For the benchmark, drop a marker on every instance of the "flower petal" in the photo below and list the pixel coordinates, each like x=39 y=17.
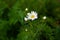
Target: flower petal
x=28 y=14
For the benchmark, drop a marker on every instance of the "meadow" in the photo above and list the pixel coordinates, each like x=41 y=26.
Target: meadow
x=29 y=19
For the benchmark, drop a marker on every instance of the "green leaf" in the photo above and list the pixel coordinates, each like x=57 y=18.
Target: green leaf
x=3 y=24
x=16 y=14
x=2 y=6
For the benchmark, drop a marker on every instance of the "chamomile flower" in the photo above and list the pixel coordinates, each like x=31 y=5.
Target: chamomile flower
x=44 y=17
x=32 y=16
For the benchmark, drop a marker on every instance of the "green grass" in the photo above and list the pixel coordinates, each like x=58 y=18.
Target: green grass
x=13 y=26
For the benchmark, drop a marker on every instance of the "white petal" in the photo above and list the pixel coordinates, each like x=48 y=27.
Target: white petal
x=33 y=19
x=28 y=14
x=36 y=17
x=32 y=12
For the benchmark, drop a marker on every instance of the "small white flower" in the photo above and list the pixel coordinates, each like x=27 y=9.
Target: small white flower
x=26 y=9
x=32 y=15
x=25 y=19
x=44 y=17
x=28 y=14
x=26 y=30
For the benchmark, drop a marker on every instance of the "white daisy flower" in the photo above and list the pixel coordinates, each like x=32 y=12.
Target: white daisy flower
x=25 y=19
x=44 y=17
x=32 y=15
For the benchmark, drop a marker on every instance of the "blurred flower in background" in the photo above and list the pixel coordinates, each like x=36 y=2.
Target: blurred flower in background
x=44 y=17
x=26 y=9
x=25 y=19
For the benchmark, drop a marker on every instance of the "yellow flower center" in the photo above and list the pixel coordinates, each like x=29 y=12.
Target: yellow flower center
x=32 y=16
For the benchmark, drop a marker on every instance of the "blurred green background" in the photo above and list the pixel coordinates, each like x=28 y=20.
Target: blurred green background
x=13 y=26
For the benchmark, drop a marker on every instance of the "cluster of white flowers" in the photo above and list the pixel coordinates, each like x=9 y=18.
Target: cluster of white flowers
x=31 y=16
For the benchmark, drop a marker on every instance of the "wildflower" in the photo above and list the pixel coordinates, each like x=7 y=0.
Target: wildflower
x=44 y=17
x=32 y=15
